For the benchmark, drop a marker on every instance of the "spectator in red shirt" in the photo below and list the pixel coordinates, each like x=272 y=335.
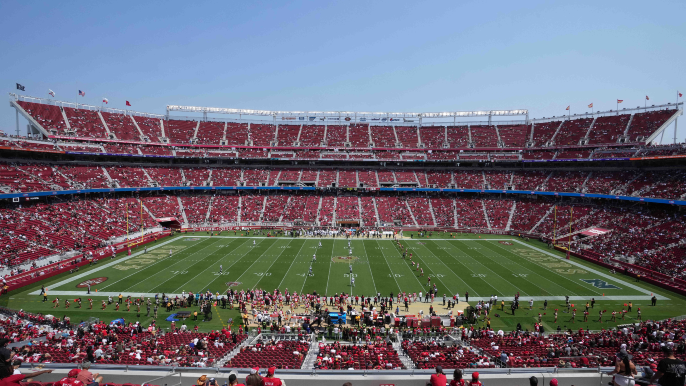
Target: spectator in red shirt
x=270 y=380
x=14 y=379
x=438 y=379
x=475 y=380
x=70 y=379
x=457 y=378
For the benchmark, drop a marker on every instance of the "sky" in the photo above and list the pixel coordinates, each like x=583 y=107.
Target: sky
x=420 y=56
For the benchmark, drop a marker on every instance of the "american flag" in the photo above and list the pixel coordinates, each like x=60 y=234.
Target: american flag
x=83 y=94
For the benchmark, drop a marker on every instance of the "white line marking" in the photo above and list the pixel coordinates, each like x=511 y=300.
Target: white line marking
x=607 y=276
x=277 y=258
x=91 y=271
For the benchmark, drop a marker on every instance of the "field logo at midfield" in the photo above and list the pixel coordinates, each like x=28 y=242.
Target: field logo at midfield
x=505 y=242
x=600 y=284
x=344 y=259
x=191 y=239
x=92 y=282
x=233 y=283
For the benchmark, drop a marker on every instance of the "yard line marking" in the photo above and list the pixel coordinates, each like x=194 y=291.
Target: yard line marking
x=451 y=270
x=182 y=260
x=428 y=268
x=289 y=270
x=326 y=292
x=370 y=271
x=240 y=258
x=461 y=252
x=421 y=287
x=91 y=271
x=567 y=278
x=529 y=281
x=166 y=270
x=637 y=288
x=277 y=258
x=505 y=280
x=389 y=268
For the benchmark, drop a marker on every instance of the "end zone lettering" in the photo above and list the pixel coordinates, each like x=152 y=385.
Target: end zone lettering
x=92 y=282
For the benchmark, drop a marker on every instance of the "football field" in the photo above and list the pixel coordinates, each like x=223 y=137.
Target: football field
x=483 y=266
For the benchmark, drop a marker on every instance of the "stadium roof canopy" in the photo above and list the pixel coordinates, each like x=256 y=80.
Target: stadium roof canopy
x=350 y=114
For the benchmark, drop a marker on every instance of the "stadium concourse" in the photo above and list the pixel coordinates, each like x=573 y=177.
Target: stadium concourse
x=518 y=223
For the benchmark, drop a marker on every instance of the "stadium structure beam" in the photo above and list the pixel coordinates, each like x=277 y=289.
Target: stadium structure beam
x=663 y=128
x=347 y=114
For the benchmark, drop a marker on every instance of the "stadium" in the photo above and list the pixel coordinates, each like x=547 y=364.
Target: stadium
x=324 y=247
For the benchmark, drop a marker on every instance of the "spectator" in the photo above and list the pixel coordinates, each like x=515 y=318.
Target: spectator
x=533 y=381
x=624 y=369
x=5 y=353
x=457 y=378
x=88 y=378
x=233 y=381
x=438 y=379
x=254 y=379
x=70 y=379
x=476 y=382
x=15 y=365
x=14 y=379
x=270 y=380
x=670 y=371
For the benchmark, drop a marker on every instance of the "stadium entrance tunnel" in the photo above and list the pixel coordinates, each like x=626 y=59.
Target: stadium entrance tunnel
x=169 y=222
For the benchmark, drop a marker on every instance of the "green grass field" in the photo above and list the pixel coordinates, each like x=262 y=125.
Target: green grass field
x=481 y=265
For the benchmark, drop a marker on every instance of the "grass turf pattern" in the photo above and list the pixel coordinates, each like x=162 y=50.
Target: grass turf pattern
x=482 y=265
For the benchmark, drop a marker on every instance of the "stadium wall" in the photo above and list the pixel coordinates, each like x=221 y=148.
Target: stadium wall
x=310 y=188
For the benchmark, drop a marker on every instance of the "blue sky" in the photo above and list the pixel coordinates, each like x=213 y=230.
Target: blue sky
x=347 y=55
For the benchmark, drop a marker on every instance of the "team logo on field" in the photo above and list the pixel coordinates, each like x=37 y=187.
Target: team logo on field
x=421 y=243
x=344 y=259
x=92 y=282
x=233 y=283
x=505 y=242
x=599 y=284
x=191 y=239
